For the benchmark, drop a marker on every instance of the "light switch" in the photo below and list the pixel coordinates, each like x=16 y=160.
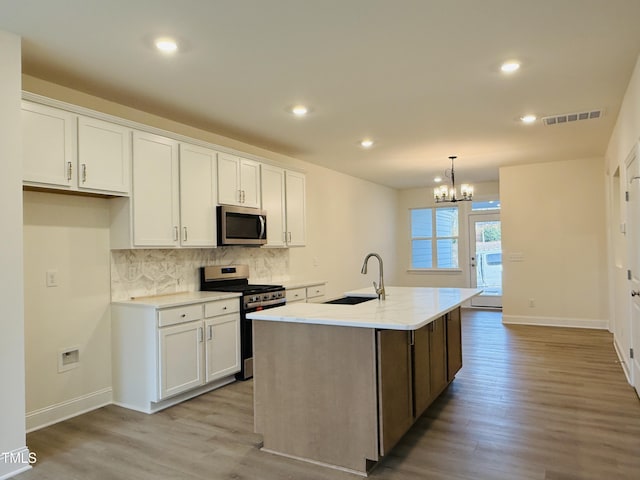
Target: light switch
x=52 y=278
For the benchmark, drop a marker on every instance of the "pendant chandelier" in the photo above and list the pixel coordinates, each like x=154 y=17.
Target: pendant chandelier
x=445 y=194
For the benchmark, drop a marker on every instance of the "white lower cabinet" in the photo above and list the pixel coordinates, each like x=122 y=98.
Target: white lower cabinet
x=180 y=359
x=222 y=346
x=162 y=356
x=309 y=293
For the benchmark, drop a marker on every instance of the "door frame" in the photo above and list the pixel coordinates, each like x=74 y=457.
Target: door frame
x=480 y=300
x=632 y=184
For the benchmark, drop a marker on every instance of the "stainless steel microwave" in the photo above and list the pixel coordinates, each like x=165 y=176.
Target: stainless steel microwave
x=241 y=226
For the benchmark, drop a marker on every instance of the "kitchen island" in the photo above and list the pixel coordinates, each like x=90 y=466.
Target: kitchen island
x=339 y=385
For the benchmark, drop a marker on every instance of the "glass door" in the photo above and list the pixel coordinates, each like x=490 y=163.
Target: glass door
x=485 y=248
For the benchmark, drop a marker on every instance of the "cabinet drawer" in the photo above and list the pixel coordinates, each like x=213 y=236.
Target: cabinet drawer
x=296 y=295
x=221 y=307
x=173 y=316
x=315 y=291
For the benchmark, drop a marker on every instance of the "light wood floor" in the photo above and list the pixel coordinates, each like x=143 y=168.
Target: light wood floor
x=529 y=403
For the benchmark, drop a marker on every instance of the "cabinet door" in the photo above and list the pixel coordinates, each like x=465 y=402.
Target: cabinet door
x=395 y=408
x=155 y=191
x=180 y=358
x=437 y=356
x=223 y=346
x=104 y=156
x=228 y=179
x=421 y=370
x=250 y=183
x=48 y=146
x=197 y=196
x=296 y=207
x=454 y=343
x=273 y=201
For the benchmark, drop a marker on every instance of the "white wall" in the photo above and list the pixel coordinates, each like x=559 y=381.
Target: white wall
x=423 y=198
x=12 y=398
x=70 y=235
x=625 y=135
x=553 y=216
x=347 y=218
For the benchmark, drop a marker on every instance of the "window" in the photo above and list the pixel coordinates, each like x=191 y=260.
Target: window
x=485 y=205
x=434 y=238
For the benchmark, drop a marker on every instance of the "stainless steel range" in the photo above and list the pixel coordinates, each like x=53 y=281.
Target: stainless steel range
x=235 y=278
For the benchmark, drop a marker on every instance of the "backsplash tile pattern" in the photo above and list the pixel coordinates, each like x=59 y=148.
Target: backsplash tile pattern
x=141 y=273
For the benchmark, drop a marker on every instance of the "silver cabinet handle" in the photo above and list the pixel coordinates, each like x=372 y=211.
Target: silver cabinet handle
x=289 y=234
x=84 y=173
x=635 y=293
x=239 y=196
x=69 y=170
x=210 y=336
x=175 y=234
x=243 y=196
x=200 y=334
x=184 y=234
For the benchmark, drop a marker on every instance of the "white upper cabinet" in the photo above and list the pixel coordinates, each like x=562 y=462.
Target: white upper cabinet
x=197 y=196
x=296 y=207
x=155 y=191
x=273 y=202
x=238 y=181
x=173 y=200
x=48 y=146
x=104 y=156
x=283 y=198
x=62 y=150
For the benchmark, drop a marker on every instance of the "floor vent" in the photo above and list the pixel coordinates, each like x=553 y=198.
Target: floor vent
x=573 y=117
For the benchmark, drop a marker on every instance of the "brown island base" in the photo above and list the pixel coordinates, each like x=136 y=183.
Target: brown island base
x=341 y=395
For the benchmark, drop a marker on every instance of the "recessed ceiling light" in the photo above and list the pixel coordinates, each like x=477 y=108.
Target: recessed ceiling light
x=367 y=143
x=299 y=110
x=528 y=118
x=437 y=179
x=166 y=45
x=510 y=66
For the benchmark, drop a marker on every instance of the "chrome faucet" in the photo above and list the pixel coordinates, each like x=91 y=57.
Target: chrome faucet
x=379 y=288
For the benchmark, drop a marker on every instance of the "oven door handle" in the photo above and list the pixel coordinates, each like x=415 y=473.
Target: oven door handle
x=262 y=225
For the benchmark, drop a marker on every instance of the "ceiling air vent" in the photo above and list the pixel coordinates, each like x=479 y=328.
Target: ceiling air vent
x=573 y=117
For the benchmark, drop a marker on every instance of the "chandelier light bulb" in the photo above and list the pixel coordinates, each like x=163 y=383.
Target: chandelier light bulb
x=444 y=193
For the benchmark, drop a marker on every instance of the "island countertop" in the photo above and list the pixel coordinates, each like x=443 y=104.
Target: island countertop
x=405 y=308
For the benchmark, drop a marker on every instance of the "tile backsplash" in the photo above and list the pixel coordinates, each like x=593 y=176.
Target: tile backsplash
x=141 y=273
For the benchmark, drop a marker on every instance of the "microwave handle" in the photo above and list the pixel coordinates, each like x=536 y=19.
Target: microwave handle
x=262 y=225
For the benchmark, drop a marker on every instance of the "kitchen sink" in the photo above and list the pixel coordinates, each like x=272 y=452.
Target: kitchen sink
x=350 y=300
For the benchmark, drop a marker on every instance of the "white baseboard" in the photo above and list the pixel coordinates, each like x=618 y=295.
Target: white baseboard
x=14 y=462
x=623 y=362
x=556 y=321
x=46 y=416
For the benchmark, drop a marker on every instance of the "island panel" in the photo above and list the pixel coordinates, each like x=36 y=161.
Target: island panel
x=315 y=392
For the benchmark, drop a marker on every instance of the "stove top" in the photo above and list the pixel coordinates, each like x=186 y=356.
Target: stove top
x=234 y=278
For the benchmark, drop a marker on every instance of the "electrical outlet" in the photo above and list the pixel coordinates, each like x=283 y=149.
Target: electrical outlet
x=532 y=302
x=52 y=278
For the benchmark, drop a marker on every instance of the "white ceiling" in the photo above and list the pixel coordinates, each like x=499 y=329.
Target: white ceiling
x=420 y=77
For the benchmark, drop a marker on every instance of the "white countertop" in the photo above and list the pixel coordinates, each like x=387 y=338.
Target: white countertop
x=177 y=299
x=405 y=308
x=291 y=284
